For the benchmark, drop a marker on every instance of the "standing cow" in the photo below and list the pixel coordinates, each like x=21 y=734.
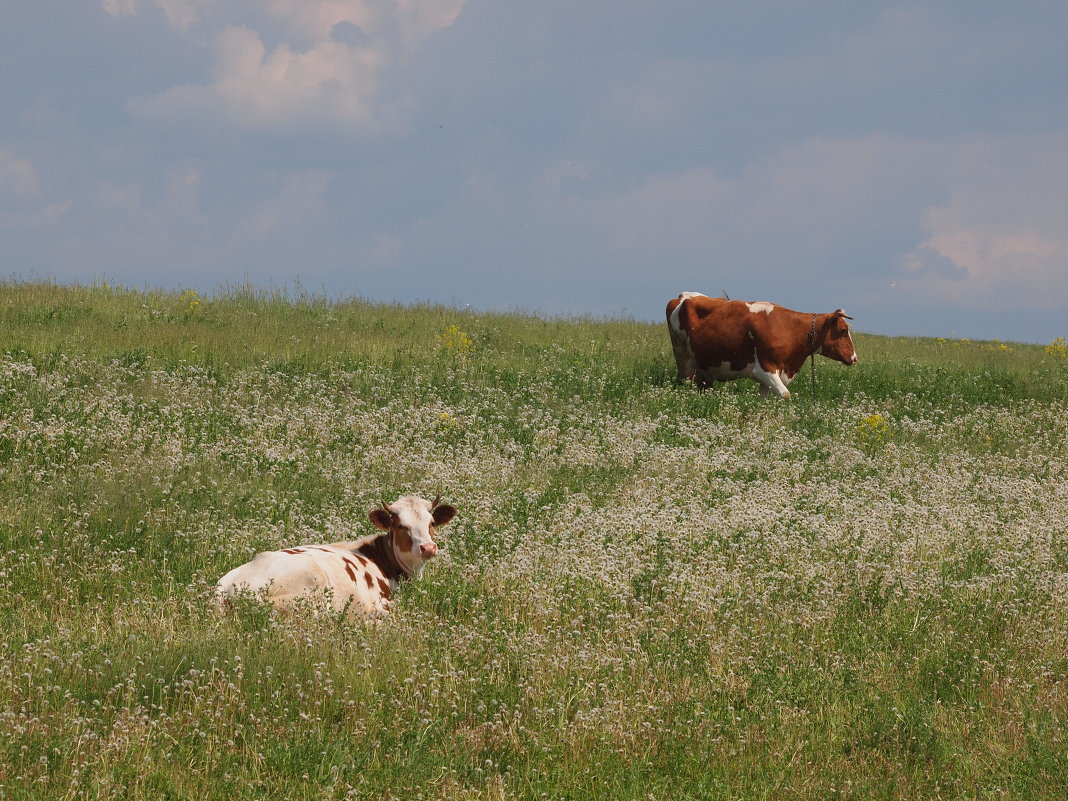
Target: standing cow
x=358 y=576
x=715 y=339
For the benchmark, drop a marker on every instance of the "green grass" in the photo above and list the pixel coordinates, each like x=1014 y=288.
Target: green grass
x=650 y=590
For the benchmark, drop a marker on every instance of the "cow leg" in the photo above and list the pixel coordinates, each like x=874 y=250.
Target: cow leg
x=680 y=345
x=770 y=379
x=684 y=359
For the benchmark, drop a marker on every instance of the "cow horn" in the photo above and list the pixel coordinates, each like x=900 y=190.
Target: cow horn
x=385 y=506
x=436 y=501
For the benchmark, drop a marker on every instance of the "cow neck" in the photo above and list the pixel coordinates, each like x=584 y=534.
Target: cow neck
x=380 y=551
x=796 y=359
x=812 y=335
x=812 y=348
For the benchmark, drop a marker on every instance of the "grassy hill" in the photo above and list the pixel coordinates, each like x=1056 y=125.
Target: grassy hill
x=650 y=590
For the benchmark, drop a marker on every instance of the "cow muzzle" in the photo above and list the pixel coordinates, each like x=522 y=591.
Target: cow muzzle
x=428 y=549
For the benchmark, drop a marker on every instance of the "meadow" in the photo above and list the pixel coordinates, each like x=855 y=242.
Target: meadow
x=650 y=591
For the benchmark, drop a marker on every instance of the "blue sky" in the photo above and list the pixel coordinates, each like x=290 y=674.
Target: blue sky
x=908 y=162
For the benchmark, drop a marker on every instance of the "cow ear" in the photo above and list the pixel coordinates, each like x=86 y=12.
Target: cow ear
x=443 y=513
x=381 y=518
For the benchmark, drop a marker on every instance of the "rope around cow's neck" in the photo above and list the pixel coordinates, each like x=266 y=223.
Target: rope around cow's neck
x=812 y=353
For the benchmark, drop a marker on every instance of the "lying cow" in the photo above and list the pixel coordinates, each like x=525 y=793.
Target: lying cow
x=715 y=339
x=358 y=576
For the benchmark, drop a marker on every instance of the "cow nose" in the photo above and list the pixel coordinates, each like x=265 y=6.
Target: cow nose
x=854 y=359
x=428 y=549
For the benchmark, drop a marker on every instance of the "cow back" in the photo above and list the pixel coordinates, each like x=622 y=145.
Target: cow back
x=345 y=579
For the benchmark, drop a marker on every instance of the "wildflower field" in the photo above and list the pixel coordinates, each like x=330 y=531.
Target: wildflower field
x=650 y=591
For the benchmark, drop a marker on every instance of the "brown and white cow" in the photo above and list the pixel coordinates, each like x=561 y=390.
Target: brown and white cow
x=359 y=576
x=715 y=339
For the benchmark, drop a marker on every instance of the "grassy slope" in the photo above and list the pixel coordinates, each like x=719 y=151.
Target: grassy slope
x=649 y=589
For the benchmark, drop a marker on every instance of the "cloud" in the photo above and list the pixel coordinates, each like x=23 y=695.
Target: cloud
x=18 y=178
x=278 y=228
x=1000 y=241
x=790 y=207
x=329 y=84
x=969 y=262
x=967 y=265
x=180 y=14
x=890 y=224
x=330 y=81
x=23 y=204
x=413 y=20
x=120 y=8
x=298 y=201
x=317 y=20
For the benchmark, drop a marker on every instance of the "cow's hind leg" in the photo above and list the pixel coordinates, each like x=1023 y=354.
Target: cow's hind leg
x=684 y=359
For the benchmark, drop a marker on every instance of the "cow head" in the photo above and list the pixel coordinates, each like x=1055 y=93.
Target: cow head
x=410 y=523
x=836 y=341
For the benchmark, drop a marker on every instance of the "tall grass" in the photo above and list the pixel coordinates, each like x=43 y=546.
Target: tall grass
x=650 y=591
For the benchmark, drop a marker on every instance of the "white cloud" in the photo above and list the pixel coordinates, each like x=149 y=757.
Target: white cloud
x=1000 y=240
x=328 y=84
x=180 y=14
x=419 y=19
x=415 y=19
x=17 y=176
x=22 y=201
x=972 y=263
x=665 y=213
x=325 y=84
x=298 y=202
x=316 y=20
x=785 y=209
x=120 y=8
x=861 y=214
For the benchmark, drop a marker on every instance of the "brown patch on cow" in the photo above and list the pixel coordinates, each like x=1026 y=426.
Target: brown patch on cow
x=380 y=552
x=318 y=548
x=293 y=550
x=370 y=581
x=351 y=572
x=383 y=587
x=403 y=538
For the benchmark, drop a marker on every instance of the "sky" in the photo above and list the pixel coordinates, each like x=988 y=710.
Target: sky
x=907 y=162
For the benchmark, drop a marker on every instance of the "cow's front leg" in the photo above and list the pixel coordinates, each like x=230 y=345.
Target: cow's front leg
x=770 y=379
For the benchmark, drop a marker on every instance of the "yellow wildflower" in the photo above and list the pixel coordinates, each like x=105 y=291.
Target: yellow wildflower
x=454 y=341
x=874 y=432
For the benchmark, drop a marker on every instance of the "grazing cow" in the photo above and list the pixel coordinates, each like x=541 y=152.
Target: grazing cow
x=358 y=576
x=715 y=339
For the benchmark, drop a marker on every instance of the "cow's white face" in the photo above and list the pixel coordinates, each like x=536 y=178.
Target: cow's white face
x=412 y=524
